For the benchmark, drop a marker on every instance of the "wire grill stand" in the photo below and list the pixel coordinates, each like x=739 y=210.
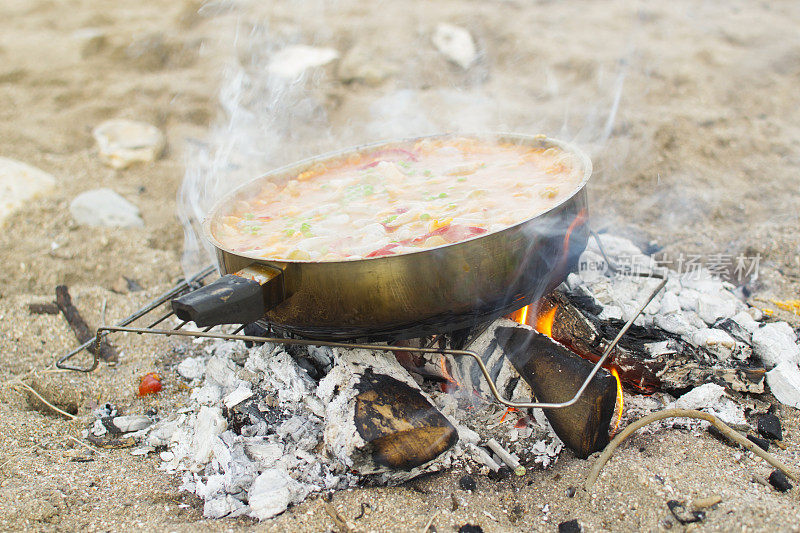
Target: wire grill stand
x=197 y=280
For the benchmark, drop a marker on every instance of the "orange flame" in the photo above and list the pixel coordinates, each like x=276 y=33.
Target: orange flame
x=620 y=400
x=452 y=383
x=544 y=323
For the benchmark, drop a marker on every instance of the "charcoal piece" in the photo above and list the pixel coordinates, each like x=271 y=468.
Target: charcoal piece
x=570 y=526
x=761 y=443
x=769 y=427
x=103 y=350
x=467 y=483
x=470 y=528
x=404 y=430
x=502 y=473
x=682 y=515
x=554 y=374
x=778 y=480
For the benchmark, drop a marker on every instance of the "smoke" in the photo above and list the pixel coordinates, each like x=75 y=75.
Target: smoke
x=388 y=81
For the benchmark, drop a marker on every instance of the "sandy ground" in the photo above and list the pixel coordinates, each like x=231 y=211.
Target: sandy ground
x=701 y=158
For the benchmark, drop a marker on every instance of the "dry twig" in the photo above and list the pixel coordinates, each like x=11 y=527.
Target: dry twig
x=428 y=525
x=48 y=404
x=340 y=522
x=730 y=433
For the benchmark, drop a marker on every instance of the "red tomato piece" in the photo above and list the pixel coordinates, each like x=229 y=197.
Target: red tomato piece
x=149 y=384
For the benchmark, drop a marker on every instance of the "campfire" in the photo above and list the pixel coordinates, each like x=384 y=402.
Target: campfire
x=275 y=418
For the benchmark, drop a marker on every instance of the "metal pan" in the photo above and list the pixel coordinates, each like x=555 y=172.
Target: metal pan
x=398 y=296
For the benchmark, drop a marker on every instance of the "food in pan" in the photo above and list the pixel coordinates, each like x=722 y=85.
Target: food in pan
x=404 y=198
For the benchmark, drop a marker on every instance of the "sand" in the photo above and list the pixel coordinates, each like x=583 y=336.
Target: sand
x=700 y=158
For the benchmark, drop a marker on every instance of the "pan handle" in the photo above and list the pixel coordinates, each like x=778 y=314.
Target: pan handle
x=239 y=298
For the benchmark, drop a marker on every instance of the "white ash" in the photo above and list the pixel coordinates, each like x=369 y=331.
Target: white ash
x=259 y=434
x=702 y=310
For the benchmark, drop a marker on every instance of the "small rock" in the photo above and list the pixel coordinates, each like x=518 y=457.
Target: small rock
x=704 y=503
x=784 y=382
x=456 y=44
x=467 y=483
x=124 y=142
x=19 y=184
x=470 y=528
x=769 y=427
x=761 y=443
x=130 y=423
x=292 y=61
x=104 y=207
x=192 y=368
x=682 y=515
x=775 y=343
x=571 y=492
x=570 y=526
x=778 y=480
x=166 y=456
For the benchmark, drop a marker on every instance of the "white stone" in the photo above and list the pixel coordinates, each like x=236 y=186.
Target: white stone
x=456 y=44
x=775 y=343
x=192 y=368
x=292 y=61
x=236 y=397
x=712 y=307
x=701 y=397
x=166 y=456
x=784 y=382
x=129 y=423
x=104 y=207
x=19 y=184
x=122 y=143
x=271 y=493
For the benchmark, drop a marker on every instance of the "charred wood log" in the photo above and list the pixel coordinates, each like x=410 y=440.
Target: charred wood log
x=526 y=364
x=555 y=374
x=647 y=358
x=377 y=418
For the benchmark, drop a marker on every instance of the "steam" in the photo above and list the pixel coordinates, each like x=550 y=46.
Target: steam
x=270 y=117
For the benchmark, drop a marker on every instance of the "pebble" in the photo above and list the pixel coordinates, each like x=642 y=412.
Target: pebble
x=292 y=61
x=570 y=526
x=769 y=427
x=704 y=503
x=104 y=207
x=467 y=483
x=19 y=184
x=778 y=480
x=775 y=343
x=166 y=456
x=456 y=44
x=784 y=382
x=124 y=142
